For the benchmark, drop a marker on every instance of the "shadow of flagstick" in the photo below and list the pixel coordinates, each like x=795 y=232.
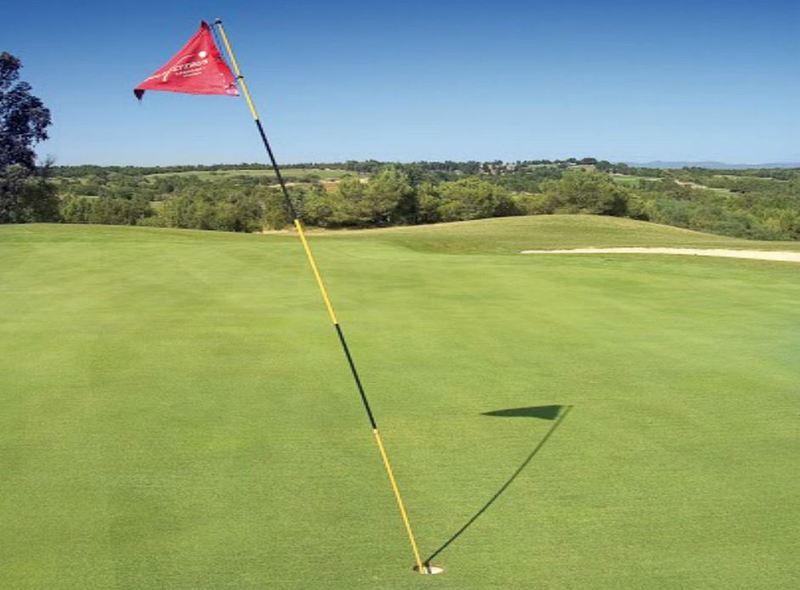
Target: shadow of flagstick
x=504 y=487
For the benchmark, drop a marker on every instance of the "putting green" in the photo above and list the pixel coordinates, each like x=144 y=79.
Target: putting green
x=176 y=412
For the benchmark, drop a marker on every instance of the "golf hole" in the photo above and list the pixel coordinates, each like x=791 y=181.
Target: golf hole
x=430 y=570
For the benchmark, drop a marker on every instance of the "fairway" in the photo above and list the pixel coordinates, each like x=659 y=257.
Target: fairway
x=176 y=412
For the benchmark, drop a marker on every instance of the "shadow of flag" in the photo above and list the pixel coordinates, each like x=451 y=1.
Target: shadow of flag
x=541 y=412
x=553 y=413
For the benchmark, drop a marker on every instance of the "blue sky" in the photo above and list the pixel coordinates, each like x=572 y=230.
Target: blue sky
x=624 y=81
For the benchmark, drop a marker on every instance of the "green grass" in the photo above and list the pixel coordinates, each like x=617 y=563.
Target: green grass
x=176 y=412
x=512 y=234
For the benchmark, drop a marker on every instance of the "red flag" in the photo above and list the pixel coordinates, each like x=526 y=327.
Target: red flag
x=198 y=68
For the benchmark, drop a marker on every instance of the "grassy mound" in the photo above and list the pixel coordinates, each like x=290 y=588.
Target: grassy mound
x=177 y=413
x=509 y=235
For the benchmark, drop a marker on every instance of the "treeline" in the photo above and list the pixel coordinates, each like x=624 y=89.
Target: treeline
x=740 y=205
x=162 y=186
x=238 y=204
x=106 y=171
x=762 y=204
x=392 y=196
x=470 y=167
x=368 y=167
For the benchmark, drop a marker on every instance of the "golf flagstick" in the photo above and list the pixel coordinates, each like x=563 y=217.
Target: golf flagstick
x=423 y=569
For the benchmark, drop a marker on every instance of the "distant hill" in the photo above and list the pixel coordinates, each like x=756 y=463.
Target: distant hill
x=712 y=165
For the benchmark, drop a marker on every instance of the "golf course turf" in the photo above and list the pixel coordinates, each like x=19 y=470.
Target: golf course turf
x=176 y=411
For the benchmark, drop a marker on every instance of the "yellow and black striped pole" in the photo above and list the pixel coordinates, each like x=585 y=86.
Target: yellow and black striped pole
x=423 y=569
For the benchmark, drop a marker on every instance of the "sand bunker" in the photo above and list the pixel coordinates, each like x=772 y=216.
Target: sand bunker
x=781 y=256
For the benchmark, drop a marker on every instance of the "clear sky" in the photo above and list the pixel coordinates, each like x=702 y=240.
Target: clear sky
x=411 y=80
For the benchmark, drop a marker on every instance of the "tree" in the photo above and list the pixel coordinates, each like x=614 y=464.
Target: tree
x=428 y=202
x=23 y=123
x=387 y=199
x=390 y=197
x=26 y=197
x=317 y=209
x=23 y=117
x=347 y=202
x=586 y=191
x=275 y=214
x=473 y=198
